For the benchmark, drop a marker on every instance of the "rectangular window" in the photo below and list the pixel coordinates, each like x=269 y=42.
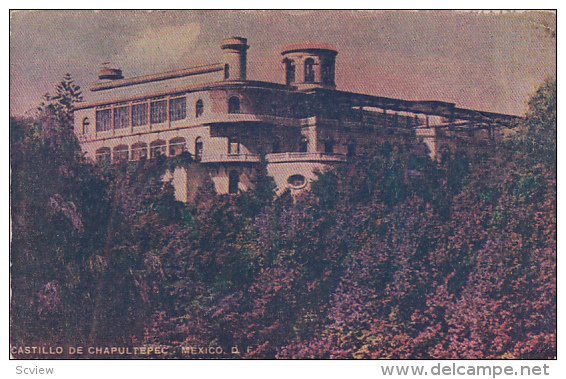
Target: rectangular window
x=139 y=114
x=121 y=117
x=158 y=111
x=233 y=145
x=103 y=120
x=178 y=109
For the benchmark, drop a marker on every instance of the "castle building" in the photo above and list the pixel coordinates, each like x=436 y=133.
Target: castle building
x=228 y=124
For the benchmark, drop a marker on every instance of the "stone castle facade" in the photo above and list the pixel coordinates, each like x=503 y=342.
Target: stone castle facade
x=229 y=124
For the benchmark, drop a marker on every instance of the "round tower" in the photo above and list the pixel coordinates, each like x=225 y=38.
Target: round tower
x=235 y=58
x=310 y=65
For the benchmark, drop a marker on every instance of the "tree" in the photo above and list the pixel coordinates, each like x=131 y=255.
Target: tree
x=58 y=208
x=389 y=256
x=536 y=138
x=62 y=104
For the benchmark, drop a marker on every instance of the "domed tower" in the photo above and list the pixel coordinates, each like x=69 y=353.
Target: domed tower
x=310 y=65
x=235 y=58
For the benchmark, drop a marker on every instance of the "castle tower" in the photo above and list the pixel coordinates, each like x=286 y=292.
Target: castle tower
x=310 y=65
x=235 y=58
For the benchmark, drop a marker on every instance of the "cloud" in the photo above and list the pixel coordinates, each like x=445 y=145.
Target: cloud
x=161 y=48
x=489 y=61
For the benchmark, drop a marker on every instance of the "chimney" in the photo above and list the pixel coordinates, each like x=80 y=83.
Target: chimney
x=108 y=73
x=235 y=58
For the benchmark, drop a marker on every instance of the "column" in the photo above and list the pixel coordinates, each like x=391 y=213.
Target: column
x=112 y=118
x=318 y=71
x=168 y=112
x=131 y=117
x=149 y=115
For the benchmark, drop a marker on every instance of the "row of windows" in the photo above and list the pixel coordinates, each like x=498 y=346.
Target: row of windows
x=327 y=71
x=139 y=151
x=153 y=111
x=177 y=146
x=157 y=148
x=157 y=111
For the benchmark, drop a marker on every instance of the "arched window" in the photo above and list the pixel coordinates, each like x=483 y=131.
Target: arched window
x=309 y=70
x=233 y=181
x=157 y=148
x=328 y=146
x=233 y=145
x=121 y=153
x=102 y=155
x=327 y=72
x=139 y=151
x=226 y=71
x=199 y=148
x=86 y=125
x=234 y=104
x=177 y=146
x=304 y=145
x=351 y=148
x=289 y=71
x=199 y=108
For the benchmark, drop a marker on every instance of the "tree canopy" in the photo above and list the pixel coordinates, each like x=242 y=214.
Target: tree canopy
x=390 y=256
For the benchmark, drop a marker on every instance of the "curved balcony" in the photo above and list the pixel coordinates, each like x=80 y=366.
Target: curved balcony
x=229 y=118
x=304 y=157
x=227 y=158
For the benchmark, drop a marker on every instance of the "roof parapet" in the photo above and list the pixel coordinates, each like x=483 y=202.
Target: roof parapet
x=198 y=70
x=237 y=43
x=310 y=46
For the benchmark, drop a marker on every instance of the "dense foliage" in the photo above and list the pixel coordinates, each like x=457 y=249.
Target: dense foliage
x=391 y=256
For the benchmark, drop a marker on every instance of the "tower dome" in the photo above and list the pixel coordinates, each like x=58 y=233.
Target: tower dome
x=310 y=65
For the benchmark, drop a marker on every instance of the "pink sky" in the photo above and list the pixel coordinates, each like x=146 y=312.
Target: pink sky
x=490 y=61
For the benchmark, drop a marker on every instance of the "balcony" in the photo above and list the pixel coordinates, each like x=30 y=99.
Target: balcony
x=273 y=158
x=230 y=118
x=228 y=158
x=304 y=157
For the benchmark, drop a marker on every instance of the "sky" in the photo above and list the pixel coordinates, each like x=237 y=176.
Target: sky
x=491 y=61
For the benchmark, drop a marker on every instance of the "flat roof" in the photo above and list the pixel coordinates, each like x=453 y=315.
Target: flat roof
x=185 y=89
x=430 y=107
x=190 y=71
